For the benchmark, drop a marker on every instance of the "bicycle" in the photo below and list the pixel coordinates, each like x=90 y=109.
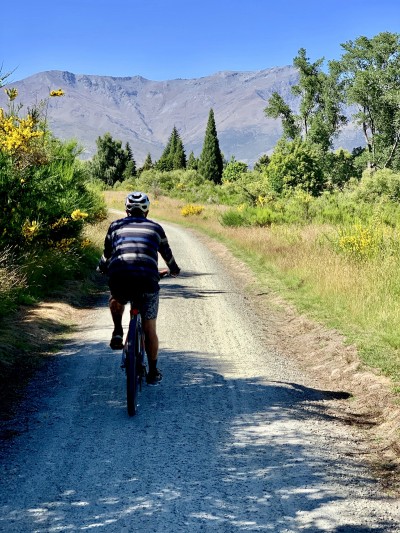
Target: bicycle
x=134 y=355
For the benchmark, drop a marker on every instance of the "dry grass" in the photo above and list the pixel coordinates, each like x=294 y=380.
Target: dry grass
x=359 y=298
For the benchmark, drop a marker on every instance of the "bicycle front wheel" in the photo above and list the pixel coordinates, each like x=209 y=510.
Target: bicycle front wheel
x=133 y=347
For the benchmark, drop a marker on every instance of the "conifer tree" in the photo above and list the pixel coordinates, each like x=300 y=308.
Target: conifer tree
x=179 y=157
x=192 y=162
x=173 y=156
x=211 y=160
x=148 y=162
x=111 y=162
x=130 y=169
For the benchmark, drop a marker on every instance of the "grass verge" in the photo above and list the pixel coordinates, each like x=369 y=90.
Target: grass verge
x=37 y=311
x=359 y=298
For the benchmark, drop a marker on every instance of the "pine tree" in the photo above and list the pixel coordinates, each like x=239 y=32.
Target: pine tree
x=173 y=156
x=179 y=157
x=211 y=160
x=130 y=169
x=111 y=160
x=192 y=162
x=148 y=162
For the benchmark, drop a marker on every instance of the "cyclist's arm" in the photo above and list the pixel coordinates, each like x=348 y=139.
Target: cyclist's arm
x=103 y=263
x=166 y=254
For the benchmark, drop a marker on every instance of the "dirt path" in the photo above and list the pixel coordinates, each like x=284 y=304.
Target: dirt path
x=236 y=438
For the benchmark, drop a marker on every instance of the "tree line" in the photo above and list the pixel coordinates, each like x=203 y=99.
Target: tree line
x=365 y=80
x=114 y=163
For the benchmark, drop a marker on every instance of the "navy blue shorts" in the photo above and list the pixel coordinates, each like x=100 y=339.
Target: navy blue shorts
x=124 y=291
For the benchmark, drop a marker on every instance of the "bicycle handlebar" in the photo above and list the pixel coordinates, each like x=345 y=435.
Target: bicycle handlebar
x=164 y=272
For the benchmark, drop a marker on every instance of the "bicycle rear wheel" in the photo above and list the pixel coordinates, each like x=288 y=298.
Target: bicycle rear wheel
x=133 y=355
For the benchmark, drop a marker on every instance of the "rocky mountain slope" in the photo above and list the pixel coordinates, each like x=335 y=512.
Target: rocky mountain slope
x=143 y=112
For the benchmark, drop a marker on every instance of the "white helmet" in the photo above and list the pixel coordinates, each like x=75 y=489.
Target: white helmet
x=137 y=200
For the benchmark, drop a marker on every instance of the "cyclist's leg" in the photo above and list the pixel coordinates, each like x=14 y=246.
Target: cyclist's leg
x=151 y=338
x=149 y=316
x=117 y=303
x=117 y=310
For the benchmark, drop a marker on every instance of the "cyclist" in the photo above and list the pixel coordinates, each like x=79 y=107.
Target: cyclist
x=130 y=259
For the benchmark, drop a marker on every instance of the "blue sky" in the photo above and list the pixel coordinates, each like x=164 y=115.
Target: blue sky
x=168 y=39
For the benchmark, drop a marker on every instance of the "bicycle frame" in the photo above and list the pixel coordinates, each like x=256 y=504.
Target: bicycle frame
x=134 y=358
x=134 y=355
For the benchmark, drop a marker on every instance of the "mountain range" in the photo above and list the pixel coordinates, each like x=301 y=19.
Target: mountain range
x=143 y=112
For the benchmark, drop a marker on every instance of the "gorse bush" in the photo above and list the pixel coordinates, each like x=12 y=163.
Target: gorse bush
x=44 y=204
x=48 y=202
x=42 y=183
x=250 y=216
x=190 y=210
x=358 y=241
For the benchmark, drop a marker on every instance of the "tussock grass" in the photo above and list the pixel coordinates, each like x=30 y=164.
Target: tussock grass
x=12 y=280
x=53 y=275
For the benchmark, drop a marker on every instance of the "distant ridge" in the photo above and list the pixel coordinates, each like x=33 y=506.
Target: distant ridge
x=143 y=112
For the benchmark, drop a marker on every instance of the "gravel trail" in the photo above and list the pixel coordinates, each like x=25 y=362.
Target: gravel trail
x=234 y=439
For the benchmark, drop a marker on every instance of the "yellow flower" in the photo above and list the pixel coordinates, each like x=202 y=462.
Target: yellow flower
x=29 y=229
x=360 y=242
x=64 y=245
x=11 y=93
x=59 y=223
x=78 y=214
x=261 y=200
x=58 y=92
x=191 y=209
x=85 y=243
x=16 y=133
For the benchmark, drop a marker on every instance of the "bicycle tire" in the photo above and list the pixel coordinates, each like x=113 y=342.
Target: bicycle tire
x=133 y=347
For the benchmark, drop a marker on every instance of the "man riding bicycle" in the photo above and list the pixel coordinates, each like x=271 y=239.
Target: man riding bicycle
x=130 y=260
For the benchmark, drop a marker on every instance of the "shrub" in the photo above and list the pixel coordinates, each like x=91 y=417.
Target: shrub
x=12 y=281
x=233 y=218
x=296 y=164
x=190 y=210
x=374 y=185
x=358 y=241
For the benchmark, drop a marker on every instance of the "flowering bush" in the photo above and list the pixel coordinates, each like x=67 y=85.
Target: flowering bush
x=17 y=133
x=358 y=241
x=44 y=199
x=190 y=210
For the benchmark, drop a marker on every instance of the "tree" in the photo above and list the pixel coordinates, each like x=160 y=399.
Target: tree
x=319 y=118
x=179 y=156
x=173 y=156
x=296 y=164
x=192 y=162
x=233 y=170
x=211 y=160
x=277 y=108
x=261 y=164
x=148 y=163
x=111 y=162
x=369 y=70
x=130 y=169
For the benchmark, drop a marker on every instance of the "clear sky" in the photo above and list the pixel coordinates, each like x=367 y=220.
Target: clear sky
x=168 y=39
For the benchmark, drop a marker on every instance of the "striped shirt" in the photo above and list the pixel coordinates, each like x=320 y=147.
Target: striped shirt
x=132 y=245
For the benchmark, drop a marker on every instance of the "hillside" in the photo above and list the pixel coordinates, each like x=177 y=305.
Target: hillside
x=143 y=112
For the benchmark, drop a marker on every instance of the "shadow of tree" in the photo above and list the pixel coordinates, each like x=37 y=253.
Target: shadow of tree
x=206 y=452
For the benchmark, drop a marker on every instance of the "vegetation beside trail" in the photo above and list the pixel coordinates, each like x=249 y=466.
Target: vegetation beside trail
x=319 y=226
x=346 y=277
x=46 y=209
